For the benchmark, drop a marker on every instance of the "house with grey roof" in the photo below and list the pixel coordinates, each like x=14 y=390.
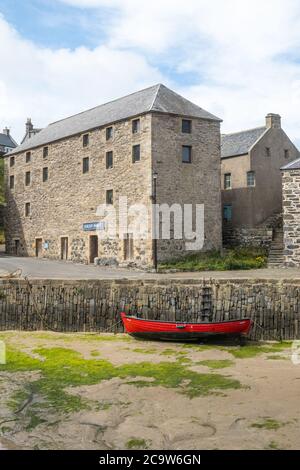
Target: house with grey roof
x=30 y=130
x=251 y=175
x=153 y=146
x=7 y=143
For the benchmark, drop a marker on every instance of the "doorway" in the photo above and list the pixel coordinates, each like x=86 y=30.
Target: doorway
x=64 y=248
x=93 y=248
x=17 y=247
x=128 y=247
x=38 y=247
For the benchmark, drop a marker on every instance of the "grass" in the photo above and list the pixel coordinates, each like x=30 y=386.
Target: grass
x=233 y=259
x=268 y=423
x=216 y=364
x=253 y=350
x=62 y=368
x=136 y=444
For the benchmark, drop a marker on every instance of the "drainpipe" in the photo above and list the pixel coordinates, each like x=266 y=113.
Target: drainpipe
x=154 y=200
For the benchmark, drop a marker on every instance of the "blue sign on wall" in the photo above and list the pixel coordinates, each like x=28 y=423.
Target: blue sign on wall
x=93 y=226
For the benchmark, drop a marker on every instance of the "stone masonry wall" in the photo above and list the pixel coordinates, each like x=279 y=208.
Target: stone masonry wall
x=95 y=306
x=197 y=182
x=258 y=237
x=291 y=217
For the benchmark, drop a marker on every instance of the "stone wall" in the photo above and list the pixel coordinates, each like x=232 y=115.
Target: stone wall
x=291 y=217
x=258 y=237
x=194 y=183
x=71 y=306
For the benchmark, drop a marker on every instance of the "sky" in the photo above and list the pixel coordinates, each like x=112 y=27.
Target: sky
x=238 y=59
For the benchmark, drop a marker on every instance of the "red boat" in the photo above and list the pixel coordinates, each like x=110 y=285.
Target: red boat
x=167 y=330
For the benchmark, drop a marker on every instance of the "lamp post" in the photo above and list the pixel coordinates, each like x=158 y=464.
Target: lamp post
x=154 y=200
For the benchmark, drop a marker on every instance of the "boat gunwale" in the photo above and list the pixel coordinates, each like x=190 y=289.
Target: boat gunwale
x=186 y=323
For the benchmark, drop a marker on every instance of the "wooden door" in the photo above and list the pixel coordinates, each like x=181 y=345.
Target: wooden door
x=64 y=248
x=93 y=248
x=38 y=247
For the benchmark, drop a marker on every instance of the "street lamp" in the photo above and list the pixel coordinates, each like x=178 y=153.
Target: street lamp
x=154 y=199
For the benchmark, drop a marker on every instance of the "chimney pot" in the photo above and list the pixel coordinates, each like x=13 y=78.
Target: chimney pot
x=273 y=121
x=6 y=131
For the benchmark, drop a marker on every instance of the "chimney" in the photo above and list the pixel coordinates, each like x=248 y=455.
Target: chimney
x=6 y=131
x=29 y=127
x=273 y=121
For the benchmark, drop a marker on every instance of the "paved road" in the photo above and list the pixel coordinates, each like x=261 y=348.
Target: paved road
x=45 y=269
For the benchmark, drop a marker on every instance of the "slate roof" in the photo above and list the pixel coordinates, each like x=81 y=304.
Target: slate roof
x=240 y=143
x=156 y=98
x=295 y=165
x=7 y=141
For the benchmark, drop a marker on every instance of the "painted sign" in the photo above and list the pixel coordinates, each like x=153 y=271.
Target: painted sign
x=93 y=226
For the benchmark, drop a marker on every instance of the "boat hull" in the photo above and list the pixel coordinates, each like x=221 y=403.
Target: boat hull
x=171 y=331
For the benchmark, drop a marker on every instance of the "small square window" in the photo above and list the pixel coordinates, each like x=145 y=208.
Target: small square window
x=286 y=154
x=186 y=126
x=109 y=133
x=136 y=153
x=268 y=151
x=85 y=165
x=28 y=157
x=136 y=126
x=186 y=154
x=12 y=182
x=227 y=181
x=45 y=174
x=27 y=209
x=12 y=161
x=27 y=178
x=109 y=160
x=85 y=140
x=109 y=196
x=45 y=152
x=251 y=179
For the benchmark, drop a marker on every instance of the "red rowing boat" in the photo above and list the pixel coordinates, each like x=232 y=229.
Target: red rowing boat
x=166 y=330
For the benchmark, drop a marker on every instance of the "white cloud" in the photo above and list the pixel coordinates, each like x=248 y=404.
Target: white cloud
x=51 y=84
x=240 y=56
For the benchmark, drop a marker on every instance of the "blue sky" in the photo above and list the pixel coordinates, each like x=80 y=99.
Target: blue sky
x=236 y=59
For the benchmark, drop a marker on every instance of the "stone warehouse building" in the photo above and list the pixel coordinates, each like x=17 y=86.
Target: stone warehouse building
x=153 y=145
x=251 y=177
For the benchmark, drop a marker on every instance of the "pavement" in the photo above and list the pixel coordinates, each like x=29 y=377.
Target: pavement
x=34 y=268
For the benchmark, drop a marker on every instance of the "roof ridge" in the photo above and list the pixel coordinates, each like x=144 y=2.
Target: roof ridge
x=246 y=130
x=159 y=85
x=103 y=104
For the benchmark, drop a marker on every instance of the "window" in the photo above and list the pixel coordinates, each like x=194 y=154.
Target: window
x=45 y=174
x=28 y=157
x=12 y=161
x=251 y=178
x=45 y=152
x=136 y=153
x=268 y=151
x=227 y=181
x=186 y=126
x=186 y=154
x=27 y=178
x=109 y=160
x=27 y=209
x=109 y=196
x=227 y=213
x=109 y=133
x=286 y=154
x=11 y=182
x=85 y=165
x=85 y=140
x=136 y=126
